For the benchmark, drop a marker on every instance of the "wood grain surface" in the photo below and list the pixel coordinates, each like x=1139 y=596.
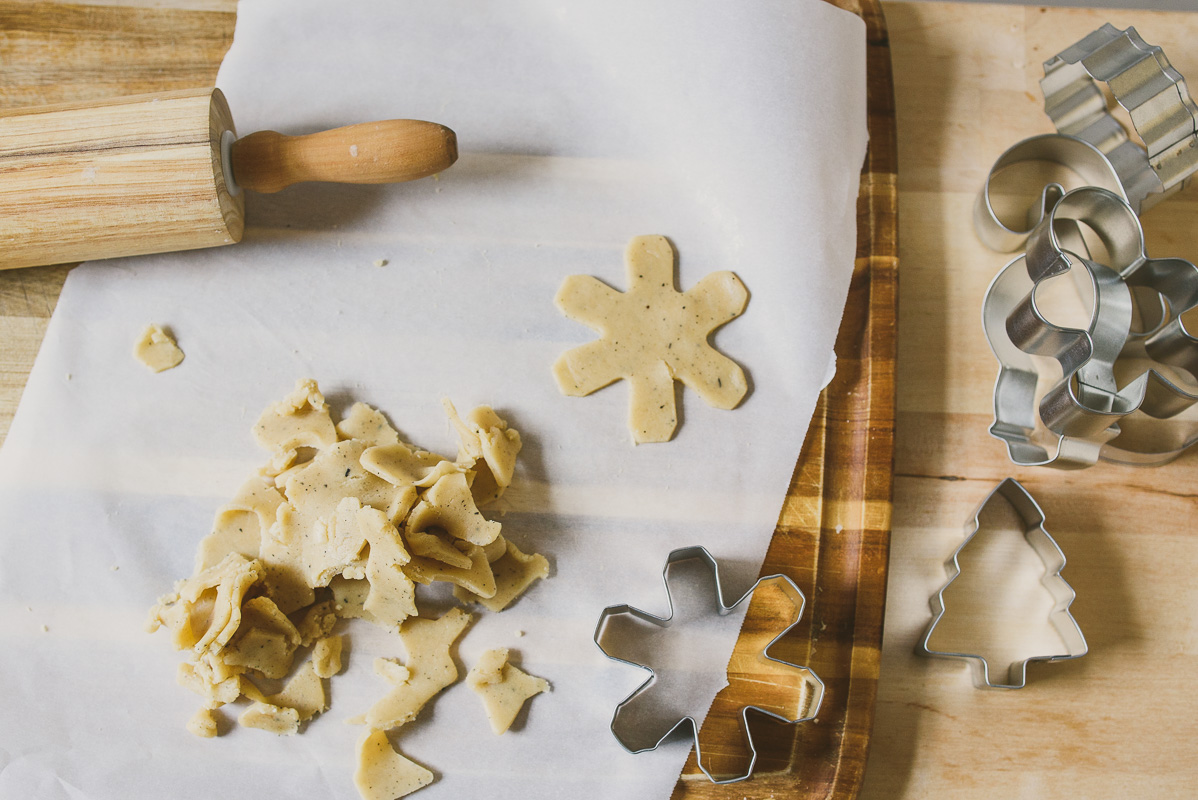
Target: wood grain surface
x=1119 y=722
x=834 y=531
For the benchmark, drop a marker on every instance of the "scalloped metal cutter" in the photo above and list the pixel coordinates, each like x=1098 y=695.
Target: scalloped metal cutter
x=1091 y=142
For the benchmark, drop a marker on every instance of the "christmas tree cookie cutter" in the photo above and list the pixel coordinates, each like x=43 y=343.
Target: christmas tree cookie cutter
x=1072 y=641
x=1086 y=411
x=1092 y=142
x=625 y=731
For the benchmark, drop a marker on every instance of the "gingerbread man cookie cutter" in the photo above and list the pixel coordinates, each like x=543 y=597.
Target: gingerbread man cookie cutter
x=1087 y=413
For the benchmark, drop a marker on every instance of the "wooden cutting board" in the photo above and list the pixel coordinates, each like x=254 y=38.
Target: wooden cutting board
x=1120 y=722
x=833 y=532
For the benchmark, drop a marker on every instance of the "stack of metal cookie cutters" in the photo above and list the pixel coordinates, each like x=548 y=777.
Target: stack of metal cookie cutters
x=1127 y=378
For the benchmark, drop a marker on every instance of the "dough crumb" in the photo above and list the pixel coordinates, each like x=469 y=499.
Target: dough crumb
x=502 y=687
x=203 y=724
x=272 y=718
x=384 y=774
x=45 y=629
x=326 y=656
x=381 y=262
x=157 y=349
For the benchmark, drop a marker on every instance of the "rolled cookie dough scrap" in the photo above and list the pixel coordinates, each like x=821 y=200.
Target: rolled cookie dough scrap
x=157 y=349
x=430 y=668
x=502 y=687
x=326 y=656
x=384 y=774
x=650 y=336
x=203 y=724
x=513 y=573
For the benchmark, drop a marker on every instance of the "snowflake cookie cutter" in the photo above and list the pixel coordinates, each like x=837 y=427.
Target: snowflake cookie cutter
x=1092 y=142
x=1072 y=639
x=1087 y=413
x=813 y=687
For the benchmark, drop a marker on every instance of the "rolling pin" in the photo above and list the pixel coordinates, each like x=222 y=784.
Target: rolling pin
x=162 y=172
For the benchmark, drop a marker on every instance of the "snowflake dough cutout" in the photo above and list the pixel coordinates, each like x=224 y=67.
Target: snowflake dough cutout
x=652 y=335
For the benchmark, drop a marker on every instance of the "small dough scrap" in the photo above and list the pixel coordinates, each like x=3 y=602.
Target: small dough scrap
x=205 y=610
x=368 y=425
x=203 y=724
x=384 y=774
x=317 y=487
x=282 y=555
x=514 y=573
x=317 y=622
x=239 y=524
x=430 y=668
x=272 y=718
x=502 y=687
x=349 y=597
x=486 y=437
x=199 y=680
x=265 y=641
x=430 y=545
x=478 y=579
x=650 y=336
x=157 y=349
x=304 y=693
x=301 y=419
x=403 y=465
x=279 y=463
x=326 y=656
x=392 y=596
x=450 y=506
x=496 y=549
x=402 y=504
x=391 y=671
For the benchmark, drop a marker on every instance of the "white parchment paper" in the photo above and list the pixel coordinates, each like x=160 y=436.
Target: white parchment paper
x=735 y=128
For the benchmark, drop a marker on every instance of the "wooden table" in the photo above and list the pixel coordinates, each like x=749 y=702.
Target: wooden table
x=1121 y=721
x=1116 y=723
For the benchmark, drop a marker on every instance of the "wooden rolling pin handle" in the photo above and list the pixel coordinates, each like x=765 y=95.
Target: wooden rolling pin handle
x=373 y=152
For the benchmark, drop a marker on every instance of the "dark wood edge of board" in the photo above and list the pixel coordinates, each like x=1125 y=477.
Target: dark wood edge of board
x=833 y=534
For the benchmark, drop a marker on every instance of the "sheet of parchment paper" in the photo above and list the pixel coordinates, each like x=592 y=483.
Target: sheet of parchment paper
x=737 y=129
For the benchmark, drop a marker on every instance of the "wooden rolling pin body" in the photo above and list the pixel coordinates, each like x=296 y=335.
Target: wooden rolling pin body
x=158 y=173
x=127 y=177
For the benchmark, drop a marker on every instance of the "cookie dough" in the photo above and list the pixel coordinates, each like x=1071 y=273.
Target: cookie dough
x=513 y=573
x=650 y=336
x=157 y=349
x=503 y=688
x=429 y=668
x=384 y=774
x=343 y=521
x=326 y=656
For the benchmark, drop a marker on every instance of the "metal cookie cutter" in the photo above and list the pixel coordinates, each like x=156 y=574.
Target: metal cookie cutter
x=1092 y=142
x=1072 y=640
x=1086 y=412
x=812 y=686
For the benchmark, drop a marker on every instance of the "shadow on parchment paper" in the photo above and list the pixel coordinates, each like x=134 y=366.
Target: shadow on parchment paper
x=328 y=207
x=924 y=81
